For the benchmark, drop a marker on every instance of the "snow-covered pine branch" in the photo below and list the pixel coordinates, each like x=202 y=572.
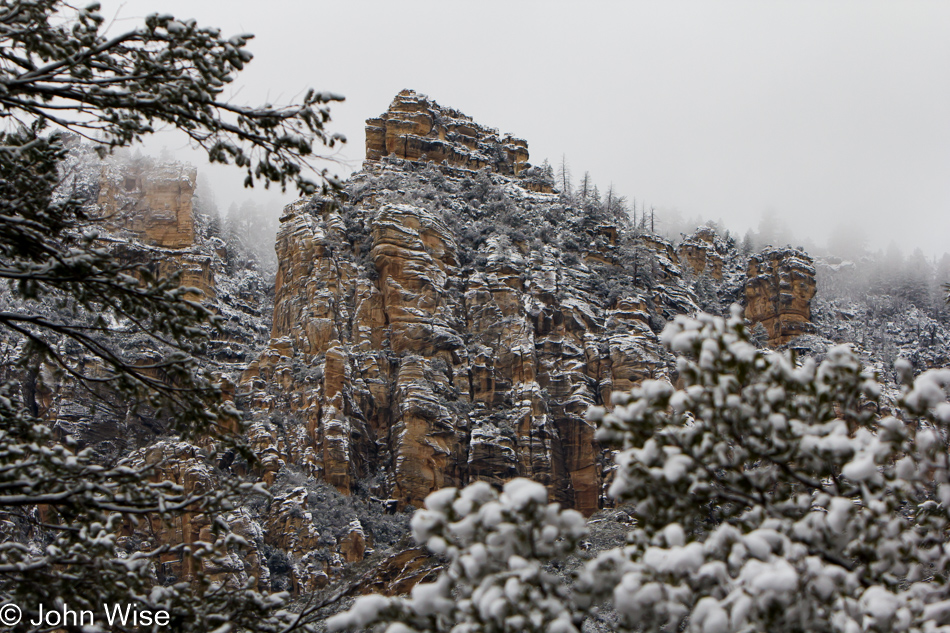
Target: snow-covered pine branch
x=86 y=529
x=495 y=580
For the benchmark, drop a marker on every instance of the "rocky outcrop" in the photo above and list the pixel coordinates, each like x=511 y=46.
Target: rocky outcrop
x=440 y=376
x=703 y=252
x=288 y=526
x=399 y=573
x=444 y=326
x=417 y=128
x=194 y=267
x=353 y=544
x=197 y=271
x=153 y=201
x=146 y=208
x=779 y=288
x=186 y=466
x=148 y=222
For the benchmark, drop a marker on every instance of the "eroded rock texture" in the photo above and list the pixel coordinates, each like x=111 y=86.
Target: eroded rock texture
x=417 y=128
x=779 y=288
x=186 y=465
x=448 y=324
x=150 y=200
x=150 y=220
x=298 y=539
x=703 y=252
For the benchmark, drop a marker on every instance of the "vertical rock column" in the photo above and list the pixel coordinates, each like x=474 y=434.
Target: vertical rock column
x=778 y=290
x=414 y=255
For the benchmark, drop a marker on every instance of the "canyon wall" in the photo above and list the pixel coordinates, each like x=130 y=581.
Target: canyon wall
x=152 y=201
x=451 y=322
x=703 y=252
x=779 y=288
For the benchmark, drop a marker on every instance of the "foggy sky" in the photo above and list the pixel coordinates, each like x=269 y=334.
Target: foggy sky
x=830 y=114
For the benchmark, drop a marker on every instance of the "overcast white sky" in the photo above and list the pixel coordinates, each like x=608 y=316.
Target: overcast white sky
x=827 y=112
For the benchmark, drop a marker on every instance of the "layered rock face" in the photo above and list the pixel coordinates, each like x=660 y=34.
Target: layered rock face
x=152 y=223
x=417 y=128
x=779 y=288
x=149 y=221
x=703 y=252
x=444 y=325
x=185 y=465
x=151 y=200
x=146 y=208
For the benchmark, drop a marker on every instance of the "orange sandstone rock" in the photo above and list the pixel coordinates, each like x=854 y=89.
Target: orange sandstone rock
x=152 y=200
x=778 y=290
x=699 y=251
x=417 y=128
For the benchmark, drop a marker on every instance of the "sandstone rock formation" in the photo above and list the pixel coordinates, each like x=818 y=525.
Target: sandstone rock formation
x=288 y=526
x=703 y=252
x=153 y=224
x=145 y=209
x=151 y=200
x=399 y=573
x=150 y=221
x=417 y=128
x=444 y=325
x=185 y=465
x=778 y=291
x=353 y=544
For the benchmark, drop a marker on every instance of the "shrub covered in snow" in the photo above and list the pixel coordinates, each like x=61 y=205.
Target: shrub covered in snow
x=495 y=579
x=770 y=496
